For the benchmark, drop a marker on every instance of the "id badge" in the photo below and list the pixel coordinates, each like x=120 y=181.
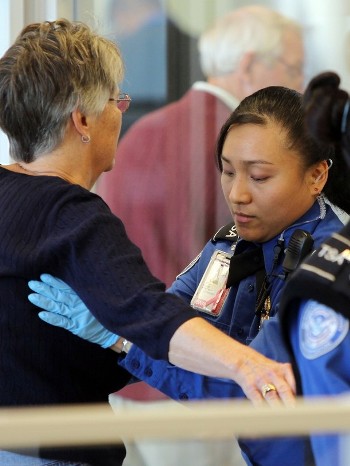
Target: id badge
x=211 y=292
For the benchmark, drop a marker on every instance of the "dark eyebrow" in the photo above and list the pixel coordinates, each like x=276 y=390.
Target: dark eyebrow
x=249 y=162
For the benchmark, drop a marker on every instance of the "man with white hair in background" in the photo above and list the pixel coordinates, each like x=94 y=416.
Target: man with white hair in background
x=164 y=185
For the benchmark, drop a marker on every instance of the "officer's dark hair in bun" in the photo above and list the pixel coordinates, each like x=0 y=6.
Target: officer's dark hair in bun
x=324 y=105
x=327 y=114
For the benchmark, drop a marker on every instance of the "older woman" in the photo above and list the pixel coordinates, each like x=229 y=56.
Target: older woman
x=61 y=108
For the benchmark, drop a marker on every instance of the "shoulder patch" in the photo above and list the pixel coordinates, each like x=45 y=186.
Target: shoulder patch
x=321 y=329
x=227 y=233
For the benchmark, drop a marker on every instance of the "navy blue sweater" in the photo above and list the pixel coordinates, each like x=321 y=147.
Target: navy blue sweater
x=49 y=225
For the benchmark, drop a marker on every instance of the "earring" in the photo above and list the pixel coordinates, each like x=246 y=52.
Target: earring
x=329 y=164
x=85 y=139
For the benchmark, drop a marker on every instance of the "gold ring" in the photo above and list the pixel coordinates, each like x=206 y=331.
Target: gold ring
x=268 y=387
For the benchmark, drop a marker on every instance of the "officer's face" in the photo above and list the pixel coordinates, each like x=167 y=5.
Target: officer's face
x=264 y=182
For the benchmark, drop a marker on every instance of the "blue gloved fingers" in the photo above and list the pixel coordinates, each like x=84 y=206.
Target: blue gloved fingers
x=55 y=282
x=67 y=297
x=55 y=319
x=68 y=324
x=49 y=305
x=42 y=288
x=67 y=310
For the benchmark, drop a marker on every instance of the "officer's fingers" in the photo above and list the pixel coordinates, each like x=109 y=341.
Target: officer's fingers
x=273 y=398
x=56 y=320
x=54 y=282
x=287 y=386
x=289 y=376
x=286 y=396
x=255 y=397
x=283 y=393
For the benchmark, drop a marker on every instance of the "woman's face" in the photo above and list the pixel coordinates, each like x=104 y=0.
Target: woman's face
x=106 y=135
x=263 y=181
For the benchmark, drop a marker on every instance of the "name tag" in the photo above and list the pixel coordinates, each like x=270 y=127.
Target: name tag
x=211 y=292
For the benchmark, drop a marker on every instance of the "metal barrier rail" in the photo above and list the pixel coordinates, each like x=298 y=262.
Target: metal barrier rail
x=99 y=424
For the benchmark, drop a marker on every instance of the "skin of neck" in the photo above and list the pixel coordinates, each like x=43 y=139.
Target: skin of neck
x=77 y=169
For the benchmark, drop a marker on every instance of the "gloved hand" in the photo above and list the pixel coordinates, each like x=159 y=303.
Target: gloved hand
x=65 y=309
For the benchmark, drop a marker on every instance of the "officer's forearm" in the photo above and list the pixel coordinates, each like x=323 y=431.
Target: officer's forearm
x=199 y=347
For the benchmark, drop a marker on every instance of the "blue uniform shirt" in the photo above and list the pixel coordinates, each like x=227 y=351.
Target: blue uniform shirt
x=237 y=319
x=321 y=345
x=315 y=320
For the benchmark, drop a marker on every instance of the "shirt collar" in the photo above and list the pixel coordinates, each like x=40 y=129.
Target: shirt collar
x=223 y=95
x=306 y=222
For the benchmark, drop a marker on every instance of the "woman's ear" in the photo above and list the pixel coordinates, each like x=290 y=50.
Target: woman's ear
x=318 y=177
x=80 y=123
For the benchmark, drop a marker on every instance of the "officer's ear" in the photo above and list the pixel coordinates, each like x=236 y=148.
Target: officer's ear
x=318 y=177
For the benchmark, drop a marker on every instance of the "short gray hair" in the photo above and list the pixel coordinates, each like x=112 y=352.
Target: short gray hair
x=253 y=28
x=50 y=70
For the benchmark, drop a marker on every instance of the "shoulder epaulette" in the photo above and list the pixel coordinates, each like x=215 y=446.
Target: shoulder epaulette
x=226 y=233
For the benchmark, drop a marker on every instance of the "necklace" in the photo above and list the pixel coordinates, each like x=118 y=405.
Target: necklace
x=36 y=173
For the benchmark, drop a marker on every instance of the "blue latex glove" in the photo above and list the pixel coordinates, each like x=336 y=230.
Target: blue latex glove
x=65 y=309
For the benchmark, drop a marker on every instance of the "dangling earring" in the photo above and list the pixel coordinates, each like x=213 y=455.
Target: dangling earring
x=85 y=139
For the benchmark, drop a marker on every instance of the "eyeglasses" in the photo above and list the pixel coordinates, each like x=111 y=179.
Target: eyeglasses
x=293 y=70
x=122 y=102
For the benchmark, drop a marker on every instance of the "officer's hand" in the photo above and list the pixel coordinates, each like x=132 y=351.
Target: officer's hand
x=265 y=380
x=65 y=309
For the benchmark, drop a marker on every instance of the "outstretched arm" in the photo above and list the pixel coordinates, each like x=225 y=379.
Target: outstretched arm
x=175 y=382
x=196 y=345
